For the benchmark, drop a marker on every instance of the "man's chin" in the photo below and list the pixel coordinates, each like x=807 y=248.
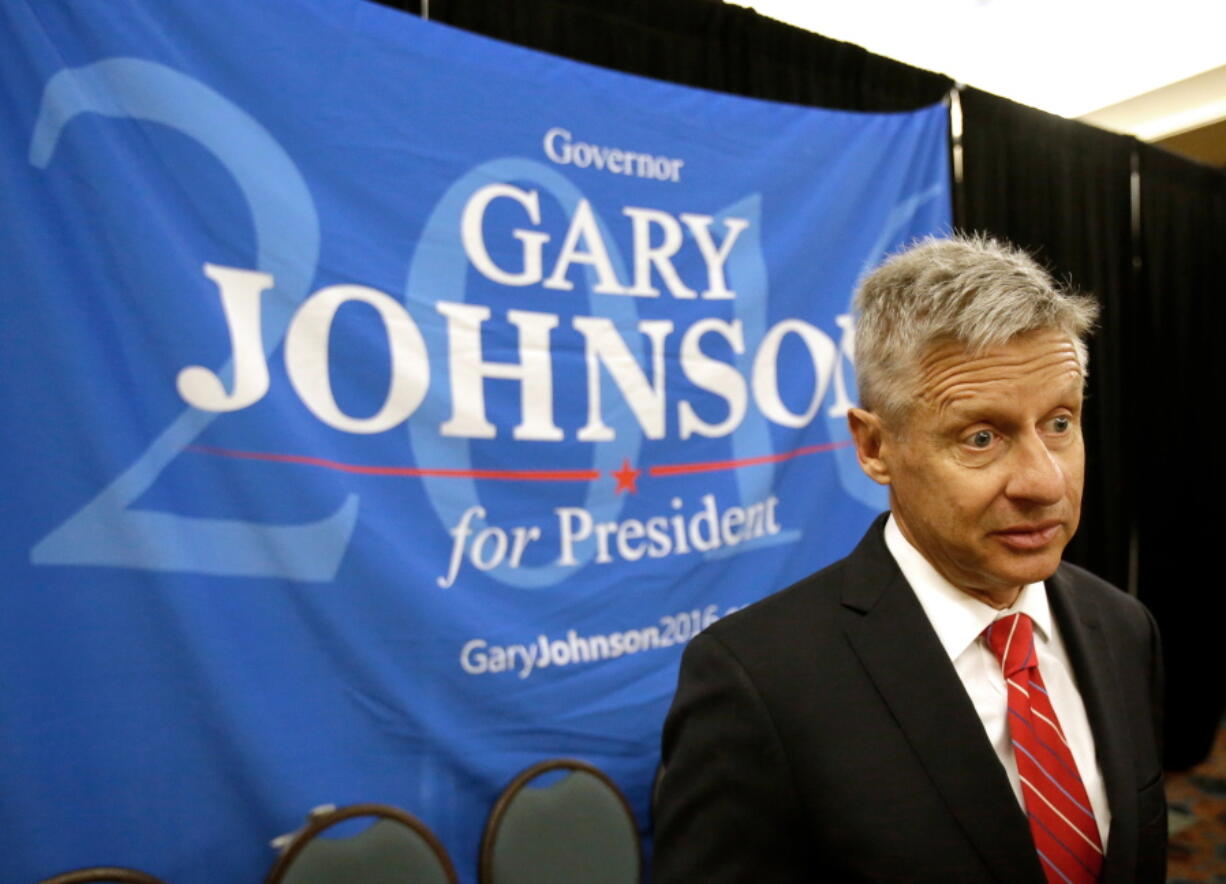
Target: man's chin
x=1029 y=567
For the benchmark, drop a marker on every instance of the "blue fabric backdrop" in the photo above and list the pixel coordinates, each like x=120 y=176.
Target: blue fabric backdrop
x=386 y=406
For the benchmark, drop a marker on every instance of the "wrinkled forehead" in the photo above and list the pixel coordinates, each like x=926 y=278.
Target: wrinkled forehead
x=949 y=370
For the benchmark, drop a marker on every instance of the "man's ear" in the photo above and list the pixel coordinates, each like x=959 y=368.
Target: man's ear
x=869 y=431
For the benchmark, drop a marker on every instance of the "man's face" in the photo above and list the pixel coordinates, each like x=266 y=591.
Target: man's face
x=986 y=471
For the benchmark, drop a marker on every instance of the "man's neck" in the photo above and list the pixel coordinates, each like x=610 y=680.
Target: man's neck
x=1000 y=600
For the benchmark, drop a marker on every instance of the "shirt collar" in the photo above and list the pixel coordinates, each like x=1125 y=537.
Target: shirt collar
x=958 y=618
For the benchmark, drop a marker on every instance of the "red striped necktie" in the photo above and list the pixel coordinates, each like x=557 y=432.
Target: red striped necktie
x=1061 y=819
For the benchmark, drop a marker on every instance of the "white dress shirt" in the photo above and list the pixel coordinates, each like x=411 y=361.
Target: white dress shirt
x=959 y=619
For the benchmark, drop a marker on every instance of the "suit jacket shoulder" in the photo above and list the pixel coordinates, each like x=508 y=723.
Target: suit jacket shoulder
x=1088 y=593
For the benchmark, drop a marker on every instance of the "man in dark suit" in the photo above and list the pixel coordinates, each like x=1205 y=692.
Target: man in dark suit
x=949 y=703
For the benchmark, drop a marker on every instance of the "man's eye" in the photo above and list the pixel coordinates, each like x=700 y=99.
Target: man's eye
x=1061 y=424
x=982 y=439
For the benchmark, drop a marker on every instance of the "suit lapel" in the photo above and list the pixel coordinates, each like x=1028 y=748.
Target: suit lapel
x=896 y=644
x=1093 y=666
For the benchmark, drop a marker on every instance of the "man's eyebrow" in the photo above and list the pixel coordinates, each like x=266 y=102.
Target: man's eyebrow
x=970 y=413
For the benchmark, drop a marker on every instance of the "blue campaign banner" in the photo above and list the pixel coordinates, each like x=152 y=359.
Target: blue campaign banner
x=385 y=407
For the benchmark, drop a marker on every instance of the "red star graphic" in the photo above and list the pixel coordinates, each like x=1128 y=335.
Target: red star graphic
x=626 y=477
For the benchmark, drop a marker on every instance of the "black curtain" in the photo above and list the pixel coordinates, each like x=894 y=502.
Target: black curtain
x=699 y=43
x=1181 y=480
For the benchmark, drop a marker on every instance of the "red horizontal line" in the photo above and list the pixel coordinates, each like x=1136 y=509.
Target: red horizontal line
x=505 y=475
x=711 y=466
x=675 y=469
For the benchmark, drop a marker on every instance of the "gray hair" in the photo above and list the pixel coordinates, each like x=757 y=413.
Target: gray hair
x=973 y=290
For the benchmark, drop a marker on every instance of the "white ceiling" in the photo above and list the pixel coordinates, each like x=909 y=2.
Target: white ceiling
x=1069 y=57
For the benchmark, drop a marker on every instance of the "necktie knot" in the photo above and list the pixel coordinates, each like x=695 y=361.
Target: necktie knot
x=1011 y=639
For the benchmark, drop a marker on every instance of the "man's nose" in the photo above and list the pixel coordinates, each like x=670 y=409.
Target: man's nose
x=1036 y=475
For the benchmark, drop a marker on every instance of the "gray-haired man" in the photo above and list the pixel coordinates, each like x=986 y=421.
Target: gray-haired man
x=950 y=702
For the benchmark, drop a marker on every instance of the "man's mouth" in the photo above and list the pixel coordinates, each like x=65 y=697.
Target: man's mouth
x=1029 y=536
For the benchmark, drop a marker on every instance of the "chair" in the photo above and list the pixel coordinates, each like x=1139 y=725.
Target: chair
x=561 y=821
x=394 y=848
x=100 y=874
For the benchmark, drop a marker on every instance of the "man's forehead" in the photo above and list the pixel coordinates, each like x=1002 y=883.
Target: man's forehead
x=949 y=371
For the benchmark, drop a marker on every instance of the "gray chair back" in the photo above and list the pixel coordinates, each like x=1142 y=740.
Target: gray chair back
x=394 y=847
x=577 y=829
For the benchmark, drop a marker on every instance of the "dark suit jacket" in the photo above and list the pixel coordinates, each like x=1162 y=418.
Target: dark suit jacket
x=823 y=735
